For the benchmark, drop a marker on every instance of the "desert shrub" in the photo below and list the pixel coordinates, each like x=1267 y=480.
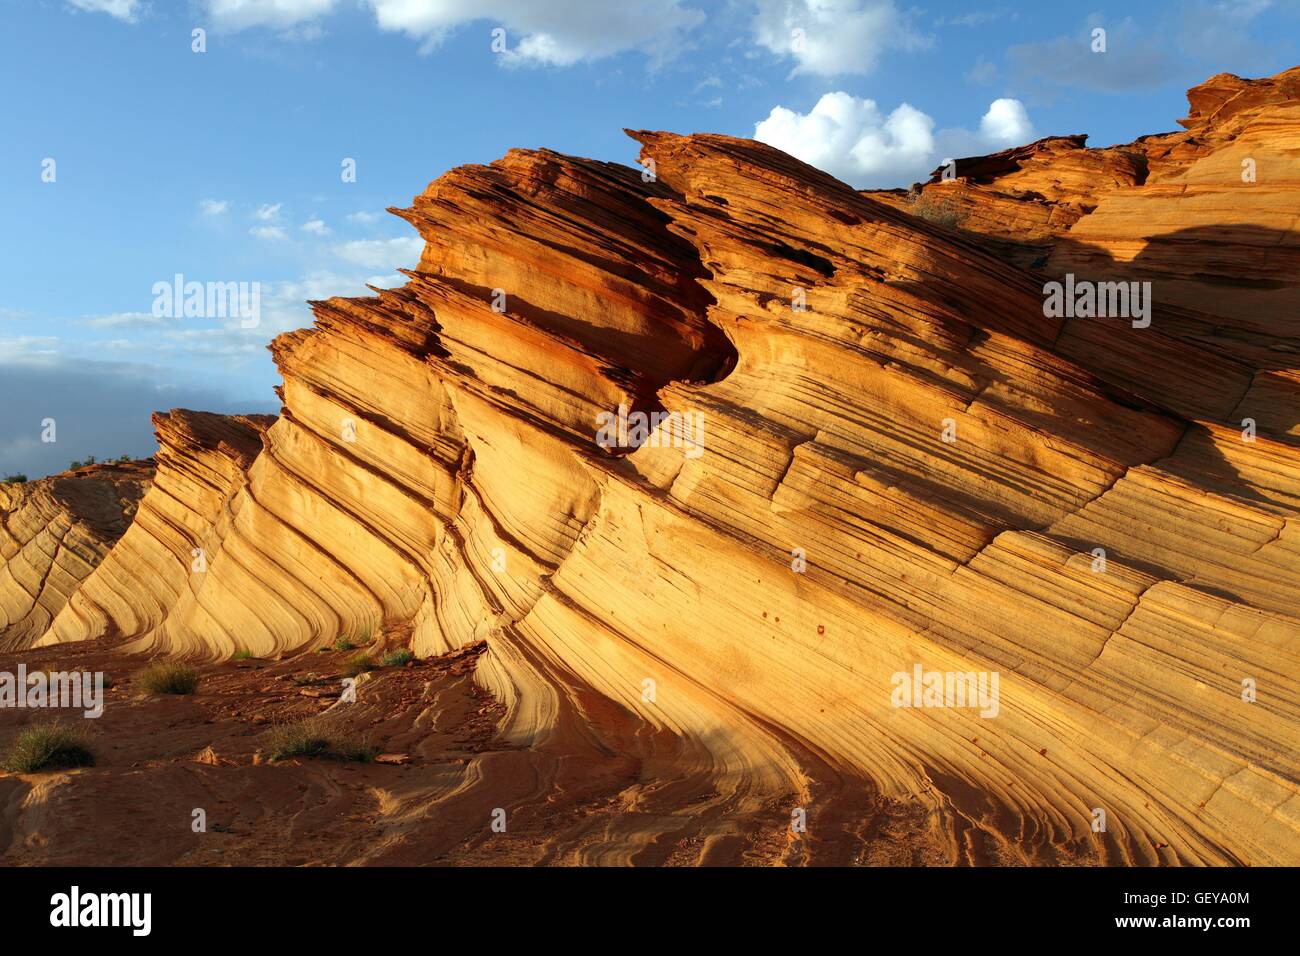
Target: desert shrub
x=49 y=744
x=939 y=215
x=317 y=737
x=14 y=479
x=242 y=655
x=169 y=677
x=358 y=664
x=397 y=658
x=305 y=738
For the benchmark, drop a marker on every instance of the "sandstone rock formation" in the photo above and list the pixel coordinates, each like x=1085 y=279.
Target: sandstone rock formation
x=880 y=456
x=1208 y=213
x=201 y=464
x=53 y=533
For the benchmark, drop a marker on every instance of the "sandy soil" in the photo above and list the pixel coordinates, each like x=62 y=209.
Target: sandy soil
x=160 y=757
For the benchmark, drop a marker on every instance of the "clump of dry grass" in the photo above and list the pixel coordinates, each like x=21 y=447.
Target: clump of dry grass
x=317 y=737
x=169 y=677
x=397 y=658
x=49 y=744
x=358 y=664
x=940 y=214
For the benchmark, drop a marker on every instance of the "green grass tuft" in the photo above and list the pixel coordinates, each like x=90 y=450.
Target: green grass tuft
x=397 y=658
x=242 y=655
x=169 y=677
x=358 y=664
x=48 y=745
x=317 y=737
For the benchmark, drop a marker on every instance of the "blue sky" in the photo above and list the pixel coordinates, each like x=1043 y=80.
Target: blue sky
x=225 y=165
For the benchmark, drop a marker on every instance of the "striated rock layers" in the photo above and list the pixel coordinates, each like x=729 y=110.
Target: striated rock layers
x=1208 y=215
x=202 y=463
x=880 y=462
x=53 y=533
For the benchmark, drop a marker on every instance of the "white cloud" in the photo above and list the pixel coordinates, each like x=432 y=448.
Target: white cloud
x=365 y=217
x=267 y=232
x=279 y=14
x=128 y=320
x=1006 y=123
x=316 y=227
x=268 y=212
x=20 y=347
x=834 y=37
x=851 y=139
x=537 y=33
x=119 y=9
x=382 y=253
x=213 y=207
x=283 y=309
x=547 y=33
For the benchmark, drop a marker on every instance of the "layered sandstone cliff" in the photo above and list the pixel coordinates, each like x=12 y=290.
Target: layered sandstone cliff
x=201 y=465
x=892 y=458
x=53 y=533
x=1207 y=214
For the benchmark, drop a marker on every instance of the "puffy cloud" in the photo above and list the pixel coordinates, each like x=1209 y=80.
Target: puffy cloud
x=547 y=33
x=1006 y=123
x=213 y=207
x=279 y=14
x=382 y=253
x=267 y=212
x=851 y=138
x=537 y=34
x=268 y=232
x=316 y=227
x=834 y=37
x=118 y=9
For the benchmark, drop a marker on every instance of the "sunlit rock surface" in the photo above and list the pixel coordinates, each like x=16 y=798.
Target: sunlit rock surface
x=201 y=464
x=53 y=533
x=902 y=462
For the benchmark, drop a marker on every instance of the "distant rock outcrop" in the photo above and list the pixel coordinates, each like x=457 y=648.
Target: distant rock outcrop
x=202 y=461
x=53 y=533
x=874 y=459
